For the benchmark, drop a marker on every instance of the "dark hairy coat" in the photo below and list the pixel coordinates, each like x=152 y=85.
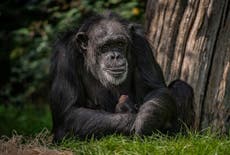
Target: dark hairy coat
x=81 y=106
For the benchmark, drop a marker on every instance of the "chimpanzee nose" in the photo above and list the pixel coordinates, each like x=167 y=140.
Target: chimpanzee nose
x=115 y=56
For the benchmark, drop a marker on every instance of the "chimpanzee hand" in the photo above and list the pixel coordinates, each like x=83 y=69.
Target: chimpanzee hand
x=155 y=114
x=146 y=120
x=124 y=105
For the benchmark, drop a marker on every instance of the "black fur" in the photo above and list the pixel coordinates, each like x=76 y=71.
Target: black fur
x=81 y=105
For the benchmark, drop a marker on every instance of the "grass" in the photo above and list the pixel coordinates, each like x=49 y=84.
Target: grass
x=31 y=138
x=156 y=144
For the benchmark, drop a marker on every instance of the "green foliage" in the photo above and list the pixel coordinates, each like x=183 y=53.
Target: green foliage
x=31 y=41
x=26 y=120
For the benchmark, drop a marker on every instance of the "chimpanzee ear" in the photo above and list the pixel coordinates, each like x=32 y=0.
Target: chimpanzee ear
x=82 y=40
x=136 y=28
x=131 y=27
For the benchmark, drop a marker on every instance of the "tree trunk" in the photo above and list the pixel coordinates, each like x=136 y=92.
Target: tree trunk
x=191 y=39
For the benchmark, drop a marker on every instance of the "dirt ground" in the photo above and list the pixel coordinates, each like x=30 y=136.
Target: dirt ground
x=40 y=145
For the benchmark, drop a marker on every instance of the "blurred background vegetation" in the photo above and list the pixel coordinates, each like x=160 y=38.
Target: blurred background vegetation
x=27 y=30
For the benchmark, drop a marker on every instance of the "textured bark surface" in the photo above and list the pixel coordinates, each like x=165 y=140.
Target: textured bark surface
x=191 y=39
x=216 y=109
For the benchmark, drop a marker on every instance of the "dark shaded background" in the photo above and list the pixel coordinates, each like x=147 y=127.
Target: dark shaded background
x=26 y=31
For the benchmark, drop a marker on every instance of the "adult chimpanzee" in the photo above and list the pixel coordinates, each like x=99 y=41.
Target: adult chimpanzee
x=105 y=80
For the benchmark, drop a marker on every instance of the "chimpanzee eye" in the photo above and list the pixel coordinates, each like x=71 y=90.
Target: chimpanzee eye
x=104 y=48
x=120 y=44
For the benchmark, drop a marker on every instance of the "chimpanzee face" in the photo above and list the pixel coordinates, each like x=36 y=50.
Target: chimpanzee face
x=105 y=50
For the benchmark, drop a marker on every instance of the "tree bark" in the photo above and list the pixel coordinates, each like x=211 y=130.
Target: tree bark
x=191 y=39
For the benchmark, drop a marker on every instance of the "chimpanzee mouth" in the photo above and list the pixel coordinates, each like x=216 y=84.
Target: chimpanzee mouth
x=115 y=75
x=116 y=72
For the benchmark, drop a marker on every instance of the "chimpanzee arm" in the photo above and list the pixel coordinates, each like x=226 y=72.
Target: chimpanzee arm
x=158 y=108
x=157 y=112
x=67 y=101
x=84 y=122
